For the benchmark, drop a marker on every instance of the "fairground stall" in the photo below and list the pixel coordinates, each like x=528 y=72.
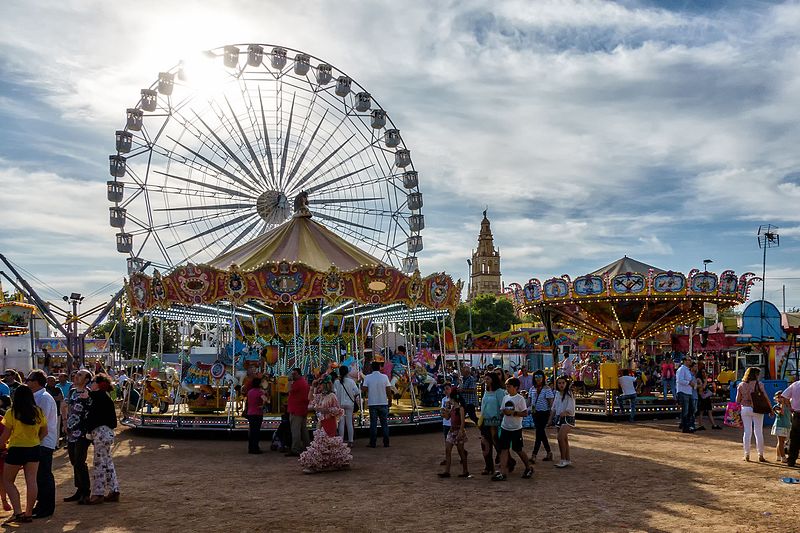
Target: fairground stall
x=279 y=210
x=629 y=302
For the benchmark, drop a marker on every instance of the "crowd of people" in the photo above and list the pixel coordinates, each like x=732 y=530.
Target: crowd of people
x=42 y=413
x=497 y=401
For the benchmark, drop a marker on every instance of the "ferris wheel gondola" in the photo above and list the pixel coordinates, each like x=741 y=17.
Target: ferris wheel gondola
x=218 y=148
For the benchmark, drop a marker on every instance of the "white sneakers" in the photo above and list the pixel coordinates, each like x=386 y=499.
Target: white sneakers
x=563 y=464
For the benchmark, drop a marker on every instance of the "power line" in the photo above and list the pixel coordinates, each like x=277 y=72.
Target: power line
x=55 y=291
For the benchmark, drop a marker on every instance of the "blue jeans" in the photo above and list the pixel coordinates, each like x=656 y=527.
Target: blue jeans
x=668 y=384
x=687 y=416
x=377 y=412
x=621 y=402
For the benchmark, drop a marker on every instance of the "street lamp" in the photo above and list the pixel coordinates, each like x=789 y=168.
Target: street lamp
x=705 y=264
x=73 y=343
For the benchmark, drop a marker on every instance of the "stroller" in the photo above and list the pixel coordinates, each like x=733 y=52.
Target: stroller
x=282 y=438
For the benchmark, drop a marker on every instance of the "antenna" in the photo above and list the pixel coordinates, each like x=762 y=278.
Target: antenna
x=767 y=238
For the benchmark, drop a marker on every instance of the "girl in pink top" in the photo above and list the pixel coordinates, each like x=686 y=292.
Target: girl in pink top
x=457 y=436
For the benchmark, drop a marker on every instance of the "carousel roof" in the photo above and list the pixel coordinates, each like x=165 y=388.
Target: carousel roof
x=300 y=240
x=625 y=265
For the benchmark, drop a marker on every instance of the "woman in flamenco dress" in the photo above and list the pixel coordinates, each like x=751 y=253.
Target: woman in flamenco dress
x=326 y=451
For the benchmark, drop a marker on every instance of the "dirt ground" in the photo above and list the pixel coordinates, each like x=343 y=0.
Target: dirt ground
x=626 y=477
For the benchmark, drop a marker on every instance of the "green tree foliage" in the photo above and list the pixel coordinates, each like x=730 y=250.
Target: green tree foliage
x=125 y=331
x=489 y=313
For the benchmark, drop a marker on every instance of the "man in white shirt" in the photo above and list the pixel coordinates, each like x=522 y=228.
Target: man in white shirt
x=628 y=384
x=46 y=499
x=790 y=398
x=377 y=387
x=684 y=383
x=567 y=368
x=514 y=409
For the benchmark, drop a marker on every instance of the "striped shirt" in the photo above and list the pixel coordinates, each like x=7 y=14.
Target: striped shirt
x=539 y=400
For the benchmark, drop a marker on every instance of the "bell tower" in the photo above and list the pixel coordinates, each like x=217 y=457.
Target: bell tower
x=485 y=275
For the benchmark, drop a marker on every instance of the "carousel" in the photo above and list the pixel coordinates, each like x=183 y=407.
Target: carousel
x=628 y=303
x=270 y=213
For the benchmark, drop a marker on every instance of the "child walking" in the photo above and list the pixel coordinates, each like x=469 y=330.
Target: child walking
x=562 y=415
x=781 y=427
x=456 y=436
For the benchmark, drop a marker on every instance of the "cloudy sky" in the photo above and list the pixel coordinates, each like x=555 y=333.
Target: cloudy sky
x=667 y=131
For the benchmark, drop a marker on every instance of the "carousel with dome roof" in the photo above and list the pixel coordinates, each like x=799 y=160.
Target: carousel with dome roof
x=270 y=211
x=628 y=304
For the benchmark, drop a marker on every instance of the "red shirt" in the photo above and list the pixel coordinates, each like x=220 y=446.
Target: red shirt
x=298 y=398
x=667 y=370
x=255 y=404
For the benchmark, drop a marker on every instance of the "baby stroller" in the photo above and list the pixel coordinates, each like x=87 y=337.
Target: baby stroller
x=282 y=438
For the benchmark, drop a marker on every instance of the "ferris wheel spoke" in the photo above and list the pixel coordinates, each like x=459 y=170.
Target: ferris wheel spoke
x=305 y=151
x=160 y=245
x=341 y=200
x=334 y=167
x=355 y=233
x=224 y=225
x=360 y=210
x=265 y=132
x=242 y=165
x=239 y=237
x=187 y=222
x=227 y=234
x=359 y=185
x=232 y=192
x=309 y=110
x=343 y=221
x=224 y=171
x=337 y=179
x=256 y=159
x=286 y=141
x=206 y=207
x=327 y=158
x=176 y=191
x=321 y=150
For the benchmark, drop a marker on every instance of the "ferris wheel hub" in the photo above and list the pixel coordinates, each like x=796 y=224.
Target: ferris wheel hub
x=273 y=207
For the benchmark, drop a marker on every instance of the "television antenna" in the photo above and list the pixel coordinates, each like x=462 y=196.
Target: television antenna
x=768 y=238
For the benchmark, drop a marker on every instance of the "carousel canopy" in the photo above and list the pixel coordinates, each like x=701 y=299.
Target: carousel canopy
x=631 y=300
x=625 y=264
x=300 y=240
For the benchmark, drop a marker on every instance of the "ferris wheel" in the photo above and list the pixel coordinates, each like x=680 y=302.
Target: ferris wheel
x=218 y=147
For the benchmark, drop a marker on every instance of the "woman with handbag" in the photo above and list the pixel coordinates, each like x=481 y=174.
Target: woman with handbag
x=100 y=424
x=349 y=396
x=753 y=398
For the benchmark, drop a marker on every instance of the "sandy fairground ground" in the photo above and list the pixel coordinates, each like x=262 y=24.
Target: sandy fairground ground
x=626 y=477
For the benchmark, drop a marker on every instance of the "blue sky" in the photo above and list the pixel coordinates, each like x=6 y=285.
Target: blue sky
x=667 y=131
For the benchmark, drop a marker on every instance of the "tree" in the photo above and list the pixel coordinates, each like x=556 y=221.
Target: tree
x=489 y=313
x=127 y=331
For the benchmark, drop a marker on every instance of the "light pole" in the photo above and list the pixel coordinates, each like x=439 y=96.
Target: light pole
x=73 y=342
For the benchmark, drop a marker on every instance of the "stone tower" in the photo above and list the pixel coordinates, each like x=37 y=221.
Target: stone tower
x=485 y=275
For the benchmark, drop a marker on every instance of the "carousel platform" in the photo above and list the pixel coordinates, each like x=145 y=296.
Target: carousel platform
x=603 y=405
x=181 y=419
